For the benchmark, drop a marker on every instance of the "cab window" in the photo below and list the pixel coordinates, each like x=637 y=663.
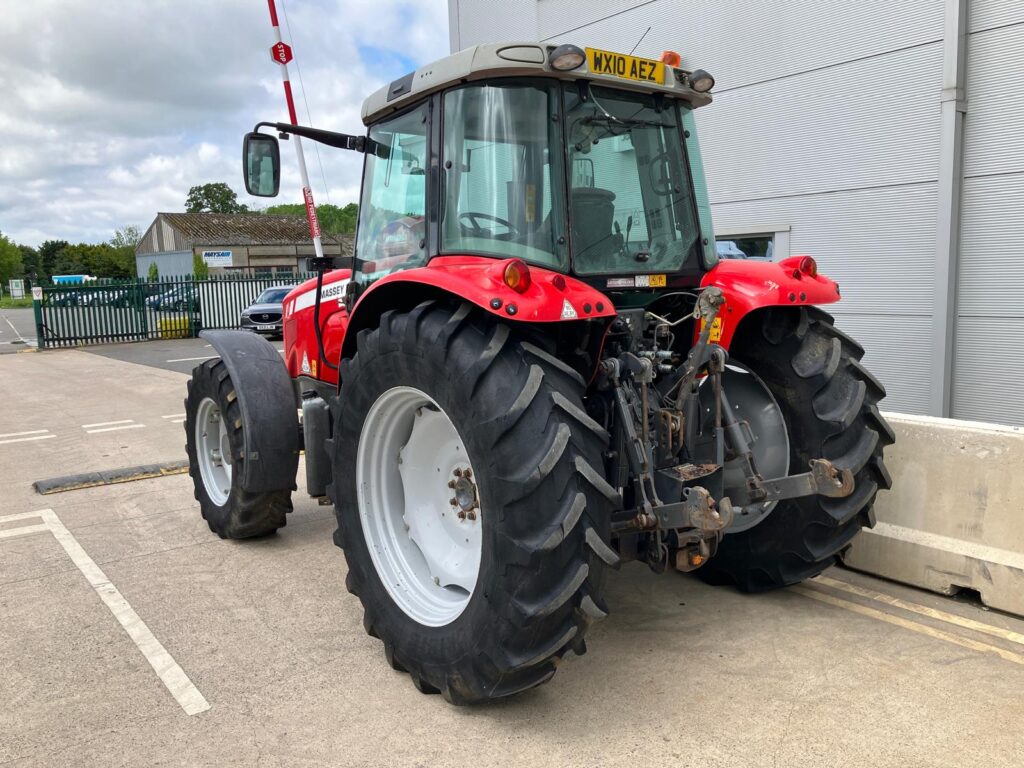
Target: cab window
x=392 y=209
x=502 y=160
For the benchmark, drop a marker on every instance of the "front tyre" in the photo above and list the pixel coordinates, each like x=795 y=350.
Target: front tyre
x=214 y=441
x=828 y=404
x=470 y=505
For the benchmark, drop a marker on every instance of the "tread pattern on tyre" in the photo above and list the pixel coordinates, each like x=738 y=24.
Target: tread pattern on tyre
x=830 y=404
x=245 y=514
x=544 y=562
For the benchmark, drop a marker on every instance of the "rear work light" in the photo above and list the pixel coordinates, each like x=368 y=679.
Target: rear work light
x=566 y=57
x=517 y=275
x=701 y=81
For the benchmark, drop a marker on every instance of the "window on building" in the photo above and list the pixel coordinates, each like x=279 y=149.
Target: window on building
x=752 y=246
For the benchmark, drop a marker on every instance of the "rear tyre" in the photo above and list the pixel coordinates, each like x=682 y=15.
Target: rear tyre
x=214 y=441
x=429 y=395
x=829 y=403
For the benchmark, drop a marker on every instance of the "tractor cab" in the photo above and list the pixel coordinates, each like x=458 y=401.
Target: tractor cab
x=581 y=162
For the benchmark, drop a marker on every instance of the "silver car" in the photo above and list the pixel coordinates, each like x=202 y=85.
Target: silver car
x=264 y=315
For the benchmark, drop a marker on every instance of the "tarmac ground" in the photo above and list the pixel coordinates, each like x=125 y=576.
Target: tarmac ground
x=131 y=634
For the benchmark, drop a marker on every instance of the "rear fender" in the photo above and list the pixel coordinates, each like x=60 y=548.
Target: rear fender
x=550 y=298
x=752 y=285
x=266 y=397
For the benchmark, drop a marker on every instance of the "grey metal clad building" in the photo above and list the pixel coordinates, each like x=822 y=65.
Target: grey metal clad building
x=884 y=138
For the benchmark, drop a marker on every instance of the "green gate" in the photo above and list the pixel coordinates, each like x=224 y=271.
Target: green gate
x=102 y=312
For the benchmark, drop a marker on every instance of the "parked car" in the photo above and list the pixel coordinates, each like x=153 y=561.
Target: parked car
x=264 y=314
x=180 y=298
x=66 y=299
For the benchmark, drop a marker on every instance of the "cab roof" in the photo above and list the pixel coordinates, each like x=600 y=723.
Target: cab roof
x=508 y=60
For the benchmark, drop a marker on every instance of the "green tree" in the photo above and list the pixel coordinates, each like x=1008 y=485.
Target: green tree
x=102 y=260
x=126 y=237
x=200 y=268
x=10 y=260
x=216 y=197
x=30 y=260
x=49 y=252
x=154 y=272
x=333 y=220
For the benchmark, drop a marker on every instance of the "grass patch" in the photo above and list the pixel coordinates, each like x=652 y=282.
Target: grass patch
x=8 y=303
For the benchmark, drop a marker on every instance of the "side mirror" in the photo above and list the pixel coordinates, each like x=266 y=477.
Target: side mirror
x=261 y=165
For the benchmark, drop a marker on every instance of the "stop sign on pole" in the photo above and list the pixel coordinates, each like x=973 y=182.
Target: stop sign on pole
x=281 y=53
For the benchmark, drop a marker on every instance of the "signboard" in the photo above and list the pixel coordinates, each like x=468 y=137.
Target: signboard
x=17 y=289
x=281 y=53
x=37 y=293
x=217 y=258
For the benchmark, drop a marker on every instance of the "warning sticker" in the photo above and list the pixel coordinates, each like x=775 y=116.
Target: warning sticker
x=305 y=364
x=568 y=311
x=716 y=329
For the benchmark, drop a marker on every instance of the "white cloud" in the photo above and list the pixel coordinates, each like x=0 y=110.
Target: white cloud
x=111 y=111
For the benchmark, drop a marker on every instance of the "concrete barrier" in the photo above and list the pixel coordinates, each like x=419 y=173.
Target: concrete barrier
x=954 y=518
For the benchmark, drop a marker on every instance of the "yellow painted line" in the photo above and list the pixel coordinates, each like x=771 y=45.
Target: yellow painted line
x=949 y=618
x=913 y=626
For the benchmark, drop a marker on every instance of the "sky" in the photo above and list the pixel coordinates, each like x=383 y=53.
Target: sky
x=111 y=110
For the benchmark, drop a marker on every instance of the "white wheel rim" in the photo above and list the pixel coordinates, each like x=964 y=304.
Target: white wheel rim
x=213 y=450
x=419 y=506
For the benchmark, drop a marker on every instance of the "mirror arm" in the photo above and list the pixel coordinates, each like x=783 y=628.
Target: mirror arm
x=330 y=138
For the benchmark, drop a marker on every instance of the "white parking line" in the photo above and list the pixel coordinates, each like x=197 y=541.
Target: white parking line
x=166 y=668
x=171 y=416
x=113 y=429
x=26 y=439
x=107 y=423
x=30 y=432
x=189 y=359
x=16 y=333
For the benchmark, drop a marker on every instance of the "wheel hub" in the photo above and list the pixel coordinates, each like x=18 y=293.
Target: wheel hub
x=465 y=497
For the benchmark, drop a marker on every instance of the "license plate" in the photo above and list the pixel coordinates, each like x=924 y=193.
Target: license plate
x=626 y=67
x=266 y=327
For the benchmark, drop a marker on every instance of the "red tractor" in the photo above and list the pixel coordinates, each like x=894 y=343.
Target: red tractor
x=536 y=369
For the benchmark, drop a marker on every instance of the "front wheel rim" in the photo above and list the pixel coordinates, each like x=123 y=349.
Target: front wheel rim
x=213 y=451
x=419 y=506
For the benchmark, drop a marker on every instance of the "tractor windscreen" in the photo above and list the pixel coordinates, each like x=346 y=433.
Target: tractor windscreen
x=499 y=169
x=631 y=198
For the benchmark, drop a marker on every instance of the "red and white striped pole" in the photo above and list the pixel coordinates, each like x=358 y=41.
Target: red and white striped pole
x=281 y=52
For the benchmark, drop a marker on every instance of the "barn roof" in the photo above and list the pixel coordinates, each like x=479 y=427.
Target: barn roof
x=244 y=229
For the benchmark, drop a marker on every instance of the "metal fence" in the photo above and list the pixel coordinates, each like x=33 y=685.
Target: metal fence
x=136 y=310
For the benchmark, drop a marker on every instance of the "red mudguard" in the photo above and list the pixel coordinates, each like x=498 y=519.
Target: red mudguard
x=550 y=297
x=750 y=285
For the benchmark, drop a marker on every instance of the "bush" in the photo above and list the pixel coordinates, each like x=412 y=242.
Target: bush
x=200 y=268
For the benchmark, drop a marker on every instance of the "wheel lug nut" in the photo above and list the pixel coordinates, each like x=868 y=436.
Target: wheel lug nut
x=457 y=473
x=451 y=483
x=462 y=515
x=453 y=501
x=469 y=473
x=471 y=515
